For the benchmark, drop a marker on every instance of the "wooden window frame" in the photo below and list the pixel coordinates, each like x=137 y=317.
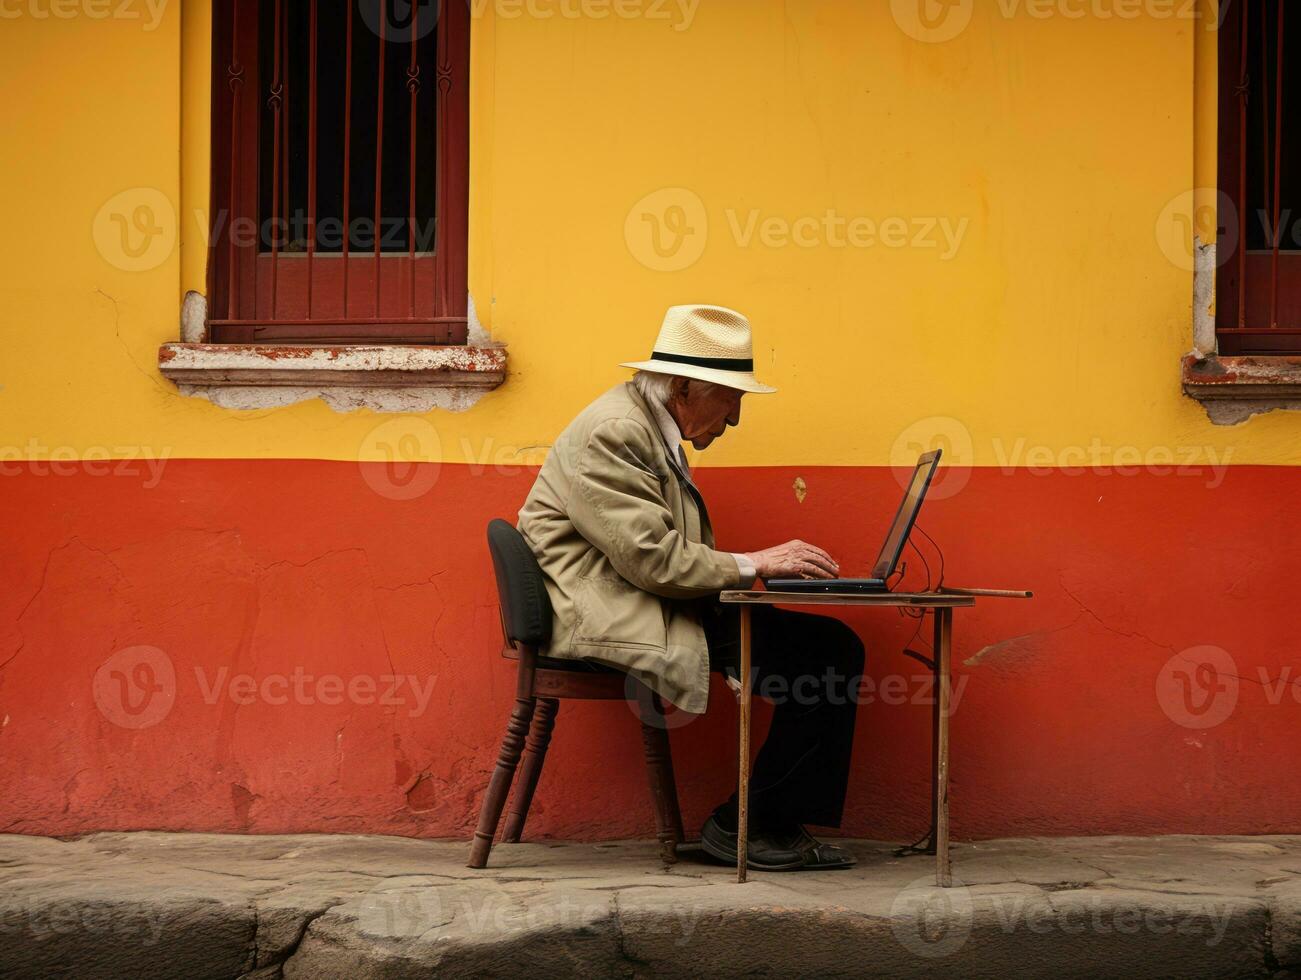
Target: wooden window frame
x=238 y=307
x=1258 y=292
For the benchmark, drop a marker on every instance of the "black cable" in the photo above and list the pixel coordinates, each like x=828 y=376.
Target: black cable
x=920 y=614
x=938 y=550
x=925 y=564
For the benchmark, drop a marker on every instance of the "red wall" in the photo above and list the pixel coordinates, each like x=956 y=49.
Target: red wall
x=1070 y=726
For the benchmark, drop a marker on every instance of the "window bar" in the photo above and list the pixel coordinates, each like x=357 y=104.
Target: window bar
x=1278 y=161
x=235 y=79
x=1264 y=108
x=290 y=223
x=311 y=149
x=1243 y=82
x=413 y=86
x=277 y=92
x=379 y=148
x=347 y=153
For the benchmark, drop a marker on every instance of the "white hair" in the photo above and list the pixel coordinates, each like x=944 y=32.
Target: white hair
x=655 y=387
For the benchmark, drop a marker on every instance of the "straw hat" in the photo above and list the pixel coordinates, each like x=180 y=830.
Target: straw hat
x=708 y=343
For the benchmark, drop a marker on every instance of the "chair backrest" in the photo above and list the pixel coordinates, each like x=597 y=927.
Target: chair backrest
x=521 y=587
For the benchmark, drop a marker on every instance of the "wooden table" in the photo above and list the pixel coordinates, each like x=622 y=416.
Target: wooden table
x=942 y=605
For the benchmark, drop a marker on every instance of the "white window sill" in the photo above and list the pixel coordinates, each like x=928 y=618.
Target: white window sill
x=396 y=378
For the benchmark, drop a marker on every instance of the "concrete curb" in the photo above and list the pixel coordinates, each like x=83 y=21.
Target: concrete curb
x=198 y=905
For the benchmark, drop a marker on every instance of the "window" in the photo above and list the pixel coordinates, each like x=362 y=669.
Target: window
x=1258 y=289
x=340 y=172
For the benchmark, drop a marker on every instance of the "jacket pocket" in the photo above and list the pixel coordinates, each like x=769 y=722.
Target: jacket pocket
x=613 y=612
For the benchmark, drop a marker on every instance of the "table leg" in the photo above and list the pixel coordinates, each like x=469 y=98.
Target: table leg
x=940 y=800
x=743 y=762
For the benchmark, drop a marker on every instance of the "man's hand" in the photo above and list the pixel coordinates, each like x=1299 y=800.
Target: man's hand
x=794 y=559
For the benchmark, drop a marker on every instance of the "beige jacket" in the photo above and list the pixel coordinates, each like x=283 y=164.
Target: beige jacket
x=625 y=543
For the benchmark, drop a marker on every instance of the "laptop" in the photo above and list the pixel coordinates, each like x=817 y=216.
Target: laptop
x=891 y=550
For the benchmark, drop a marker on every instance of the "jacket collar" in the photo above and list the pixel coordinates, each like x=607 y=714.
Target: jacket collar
x=685 y=478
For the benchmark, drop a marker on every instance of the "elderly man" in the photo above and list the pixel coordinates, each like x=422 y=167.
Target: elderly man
x=621 y=532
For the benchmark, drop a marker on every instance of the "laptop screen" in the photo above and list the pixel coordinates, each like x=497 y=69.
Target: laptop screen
x=904 y=517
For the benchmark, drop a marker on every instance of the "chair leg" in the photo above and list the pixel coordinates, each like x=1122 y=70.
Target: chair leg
x=494 y=801
x=535 y=754
x=659 y=771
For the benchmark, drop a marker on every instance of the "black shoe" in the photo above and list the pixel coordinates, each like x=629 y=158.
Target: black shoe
x=818 y=855
x=762 y=853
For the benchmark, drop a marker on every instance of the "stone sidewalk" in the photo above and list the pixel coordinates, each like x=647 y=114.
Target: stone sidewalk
x=199 y=905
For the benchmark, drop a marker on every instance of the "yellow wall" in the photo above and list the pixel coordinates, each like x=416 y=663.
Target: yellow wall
x=1059 y=141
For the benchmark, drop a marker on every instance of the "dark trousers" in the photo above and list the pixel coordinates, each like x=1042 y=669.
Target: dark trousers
x=809 y=667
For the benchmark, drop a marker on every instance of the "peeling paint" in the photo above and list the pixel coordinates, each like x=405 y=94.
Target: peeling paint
x=801 y=489
x=476 y=334
x=1233 y=389
x=1204 y=297
x=346 y=377
x=340 y=399
x=194 y=318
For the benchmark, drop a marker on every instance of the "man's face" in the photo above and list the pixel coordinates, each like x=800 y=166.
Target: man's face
x=704 y=410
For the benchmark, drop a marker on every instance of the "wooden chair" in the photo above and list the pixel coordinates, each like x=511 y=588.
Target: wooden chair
x=541 y=684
